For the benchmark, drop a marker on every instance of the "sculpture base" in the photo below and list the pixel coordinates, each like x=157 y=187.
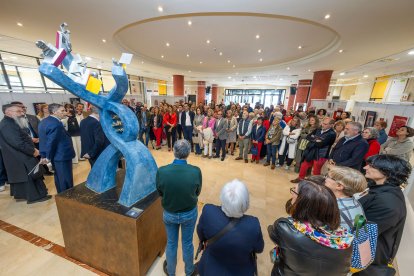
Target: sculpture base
x=97 y=231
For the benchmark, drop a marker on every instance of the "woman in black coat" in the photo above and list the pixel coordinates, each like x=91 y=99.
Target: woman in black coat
x=233 y=253
x=311 y=242
x=385 y=205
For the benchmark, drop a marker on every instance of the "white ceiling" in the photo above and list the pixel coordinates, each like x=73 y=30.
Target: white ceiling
x=366 y=31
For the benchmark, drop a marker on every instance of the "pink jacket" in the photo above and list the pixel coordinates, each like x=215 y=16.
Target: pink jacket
x=211 y=123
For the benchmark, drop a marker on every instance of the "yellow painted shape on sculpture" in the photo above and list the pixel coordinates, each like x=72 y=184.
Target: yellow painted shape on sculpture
x=124 y=66
x=93 y=85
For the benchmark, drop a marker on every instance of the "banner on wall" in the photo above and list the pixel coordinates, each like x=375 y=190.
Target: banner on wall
x=397 y=122
x=162 y=88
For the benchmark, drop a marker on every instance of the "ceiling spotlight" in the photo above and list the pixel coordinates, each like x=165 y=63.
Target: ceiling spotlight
x=365 y=76
x=167 y=44
x=259 y=51
x=19 y=24
x=189 y=23
x=341 y=74
x=327 y=16
x=234 y=66
x=162 y=56
x=300 y=47
x=201 y=62
x=220 y=53
x=188 y=55
x=208 y=41
x=411 y=53
x=309 y=70
x=214 y=80
x=288 y=68
x=189 y=71
x=104 y=40
x=229 y=77
x=160 y=9
x=88 y=58
x=341 y=51
x=228 y=61
x=257 y=36
x=142 y=62
x=261 y=60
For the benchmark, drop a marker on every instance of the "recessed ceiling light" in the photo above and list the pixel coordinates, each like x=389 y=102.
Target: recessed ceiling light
x=104 y=40
x=228 y=61
x=327 y=16
x=341 y=51
x=341 y=74
x=257 y=36
x=99 y=67
x=300 y=47
x=189 y=23
x=208 y=41
x=366 y=76
x=229 y=77
x=188 y=55
x=281 y=79
x=411 y=52
x=19 y=24
x=309 y=70
x=88 y=58
x=14 y=57
x=142 y=62
x=189 y=71
x=234 y=66
x=220 y=53
x=167 y=44
x=162 y=56
x=201 y=62
x=259 y=51
x=160 y=9
x=288 y=68
x=261 y=60
x=214 y=80
x=254 y=77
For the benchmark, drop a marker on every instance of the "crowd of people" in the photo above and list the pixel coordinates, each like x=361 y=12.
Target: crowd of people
x=344 y=170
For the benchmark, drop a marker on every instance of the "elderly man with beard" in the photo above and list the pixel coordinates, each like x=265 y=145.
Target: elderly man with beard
x=19 y=156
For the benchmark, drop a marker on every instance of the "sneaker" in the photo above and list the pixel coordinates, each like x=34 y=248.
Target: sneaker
x=277 y=165
x=287 y=168
x=164 y=267
x=2 y=188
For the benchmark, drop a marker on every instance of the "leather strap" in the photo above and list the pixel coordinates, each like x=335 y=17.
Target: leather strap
x=227 y=228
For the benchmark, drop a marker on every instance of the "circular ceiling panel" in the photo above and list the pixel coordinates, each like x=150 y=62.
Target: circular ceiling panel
x=224 y=41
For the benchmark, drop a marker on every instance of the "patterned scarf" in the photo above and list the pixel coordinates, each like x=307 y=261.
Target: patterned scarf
x=337 y=239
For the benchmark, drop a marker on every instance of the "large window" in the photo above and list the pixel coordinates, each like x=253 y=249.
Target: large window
x=265 y=97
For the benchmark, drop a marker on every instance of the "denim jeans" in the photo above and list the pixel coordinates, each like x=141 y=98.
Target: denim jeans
x=173 y=221
x=147 y=135
x=271 y=152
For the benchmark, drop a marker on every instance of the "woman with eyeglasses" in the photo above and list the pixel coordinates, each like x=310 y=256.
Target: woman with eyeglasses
x=385 y=205
x=311 y=241
x=345 y=182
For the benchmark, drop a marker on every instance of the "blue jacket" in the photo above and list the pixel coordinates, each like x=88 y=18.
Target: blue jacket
x=258 y=135
x=55 y=143
x=382 y=137
x=350 y=154
x=93 y=139
x=232 y=253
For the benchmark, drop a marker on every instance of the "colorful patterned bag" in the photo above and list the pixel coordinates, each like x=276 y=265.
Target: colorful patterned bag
x=365 y=242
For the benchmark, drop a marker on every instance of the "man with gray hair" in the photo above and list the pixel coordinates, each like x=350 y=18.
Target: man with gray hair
x=93 y=139
x=179 y=185
x=350 y=149
x=19 y=155
x=244 y=129
x=56 y=147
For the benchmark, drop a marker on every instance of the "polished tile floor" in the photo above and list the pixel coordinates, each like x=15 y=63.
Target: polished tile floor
x=269 y=190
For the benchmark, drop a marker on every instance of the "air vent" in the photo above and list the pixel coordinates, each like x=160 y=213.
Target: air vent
x=387 y=60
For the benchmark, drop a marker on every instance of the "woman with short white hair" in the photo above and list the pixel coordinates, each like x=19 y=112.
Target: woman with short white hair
x=231 y=239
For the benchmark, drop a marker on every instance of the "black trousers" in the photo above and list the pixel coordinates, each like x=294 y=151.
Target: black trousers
x=171 y=136
x=221 y=144
x=179 y=132
x=282 y=157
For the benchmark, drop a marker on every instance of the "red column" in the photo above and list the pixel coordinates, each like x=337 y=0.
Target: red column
x=320 y=85
x=302 y=92
x=291 y=99
x=178 y=84
x=201 y=91
x=214 y=93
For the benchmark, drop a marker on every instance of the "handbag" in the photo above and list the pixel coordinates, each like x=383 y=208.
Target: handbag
x=203 y=244
x=364 y=244
x=254 y=150
x=290 y=140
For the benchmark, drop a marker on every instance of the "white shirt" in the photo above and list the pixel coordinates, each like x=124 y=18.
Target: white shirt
x=187 y=118
x=79 y=118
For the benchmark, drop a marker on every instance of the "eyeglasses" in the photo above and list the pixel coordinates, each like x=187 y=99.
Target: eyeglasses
x=292 y=191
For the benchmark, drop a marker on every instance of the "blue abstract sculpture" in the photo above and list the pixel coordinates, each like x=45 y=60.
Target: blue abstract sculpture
x=140 y=165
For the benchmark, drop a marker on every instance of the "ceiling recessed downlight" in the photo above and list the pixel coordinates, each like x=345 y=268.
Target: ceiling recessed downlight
x=160 y=9
x=341 y=51
x=259 y=51
x=234 y=66
x=162 y=56
x=257 y=36
x=208 y=41
x=229 y=77
x=327 y=16
x=220 y=53
x=88 y=58
x=99 y=67
x=300 y=47
x=411 y=53
x=260 y=59
x=288 y=68
x=167 y=44
x=309 y=70
x=188 y=55
x=19 y=24
x=342 y=74
x=201 y=62
x=189 y=23
x=366 y=76
x=228 y=61
x=104 y=40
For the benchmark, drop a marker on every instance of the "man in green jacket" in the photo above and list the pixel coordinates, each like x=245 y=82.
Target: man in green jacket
x=179 y=185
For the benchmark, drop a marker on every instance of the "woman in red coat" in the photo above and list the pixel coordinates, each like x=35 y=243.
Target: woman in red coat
x=371 y=134
x=169 y=122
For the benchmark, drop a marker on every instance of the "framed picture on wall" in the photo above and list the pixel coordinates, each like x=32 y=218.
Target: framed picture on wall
x=370 y=119
x=36 y=107
x=74 y=101
x=397 y=122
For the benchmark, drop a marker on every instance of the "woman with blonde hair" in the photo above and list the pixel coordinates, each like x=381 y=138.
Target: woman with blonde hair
x=43 y=111
x=345 y=183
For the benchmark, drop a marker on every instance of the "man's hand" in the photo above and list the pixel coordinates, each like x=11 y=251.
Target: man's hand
x=44 y=161
x=36 y=153
x=241 y=137
x=35 y=140
x=86 y=156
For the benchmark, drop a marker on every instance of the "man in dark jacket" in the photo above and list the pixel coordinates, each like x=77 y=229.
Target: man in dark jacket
x=144 y=117
x=179 y=185
x=19 y=156
x=93 y=139
x=56 y=147
x=187 y=120
x=317 y=151
x=350 y=149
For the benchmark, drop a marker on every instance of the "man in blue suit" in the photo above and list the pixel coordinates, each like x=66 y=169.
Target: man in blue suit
x=56 y=147
x=93 y=139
